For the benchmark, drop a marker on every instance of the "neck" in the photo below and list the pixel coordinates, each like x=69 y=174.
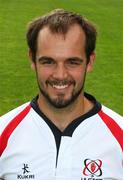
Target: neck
x=64 y=116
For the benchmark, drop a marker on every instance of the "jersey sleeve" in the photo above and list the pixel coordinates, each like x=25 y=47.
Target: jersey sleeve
x=8 y=123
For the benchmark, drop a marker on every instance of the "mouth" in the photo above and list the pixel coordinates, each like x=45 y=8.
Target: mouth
x=60 y=87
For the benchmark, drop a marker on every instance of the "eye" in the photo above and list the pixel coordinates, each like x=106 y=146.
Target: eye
x=46 y=61
x=74 y=61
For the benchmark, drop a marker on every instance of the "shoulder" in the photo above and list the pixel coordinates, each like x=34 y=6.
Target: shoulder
x=114 y=123
x=8 y=117
x=112 y=115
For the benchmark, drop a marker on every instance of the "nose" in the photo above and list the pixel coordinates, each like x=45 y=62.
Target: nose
x=60 y=72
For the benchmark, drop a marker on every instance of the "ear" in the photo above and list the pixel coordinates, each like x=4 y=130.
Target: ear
x=91 y=62
x=32 y=64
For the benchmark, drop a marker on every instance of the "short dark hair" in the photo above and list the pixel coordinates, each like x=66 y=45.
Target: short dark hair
x=59 y=21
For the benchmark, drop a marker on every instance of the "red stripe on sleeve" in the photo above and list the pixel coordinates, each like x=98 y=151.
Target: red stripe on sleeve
x=11 y=127
x=113 y=126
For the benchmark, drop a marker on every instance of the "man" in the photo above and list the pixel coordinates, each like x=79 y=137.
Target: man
x=63 y=133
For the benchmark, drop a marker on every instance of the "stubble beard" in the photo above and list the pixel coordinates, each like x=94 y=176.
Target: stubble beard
x=60 y=102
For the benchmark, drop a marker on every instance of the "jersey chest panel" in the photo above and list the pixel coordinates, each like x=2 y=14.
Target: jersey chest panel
x=87 y=155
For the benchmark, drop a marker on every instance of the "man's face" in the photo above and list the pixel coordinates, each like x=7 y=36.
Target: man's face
x=61 y=66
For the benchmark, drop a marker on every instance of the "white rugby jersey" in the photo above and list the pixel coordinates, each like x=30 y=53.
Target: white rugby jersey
x=32 y=147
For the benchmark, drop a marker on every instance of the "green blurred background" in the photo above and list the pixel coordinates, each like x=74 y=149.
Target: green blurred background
x=17 y=81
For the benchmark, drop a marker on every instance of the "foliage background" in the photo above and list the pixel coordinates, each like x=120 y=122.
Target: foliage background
x=17 y=81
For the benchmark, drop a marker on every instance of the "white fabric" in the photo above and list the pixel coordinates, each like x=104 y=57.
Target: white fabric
x=31 y=150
